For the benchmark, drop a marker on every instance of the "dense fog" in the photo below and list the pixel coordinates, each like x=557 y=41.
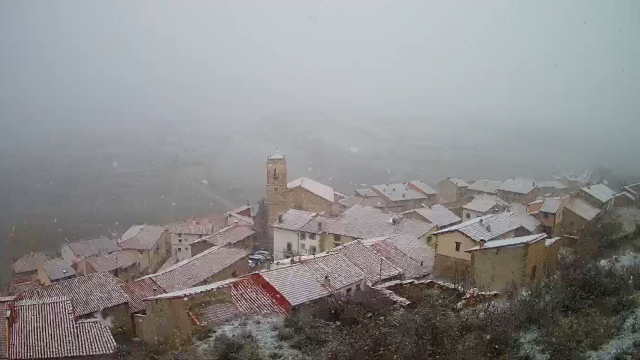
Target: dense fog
x=115 y=113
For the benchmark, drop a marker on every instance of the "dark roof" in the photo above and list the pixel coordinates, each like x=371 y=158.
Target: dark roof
x=87 y=293
x=101 y=245
x=193 y=271
x=58 y=269
x=141 y=237
x=46 y=328
x=140 y=289
x=29 y=262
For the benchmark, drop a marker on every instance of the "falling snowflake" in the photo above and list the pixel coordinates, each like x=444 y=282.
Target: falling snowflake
x=173 y=204
x=115 y=164
x=353 y=150
x=310 y=169
x=205 y=182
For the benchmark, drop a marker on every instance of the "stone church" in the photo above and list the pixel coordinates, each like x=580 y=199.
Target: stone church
x=301 y=194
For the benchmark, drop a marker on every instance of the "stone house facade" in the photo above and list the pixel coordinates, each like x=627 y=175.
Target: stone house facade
x=520 y=262
x=452 y=189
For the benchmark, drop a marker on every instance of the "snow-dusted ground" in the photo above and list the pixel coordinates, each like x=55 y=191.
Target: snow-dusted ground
x=265 y=331
x=627 y=340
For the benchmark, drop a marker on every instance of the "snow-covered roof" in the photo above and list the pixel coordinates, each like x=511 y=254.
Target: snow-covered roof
x=485 y=186
x=494 y=244
x=439 y=215
x=551 y=205
x=582 y=208
x=423 y=187
x=518 y=185
x=398 y=192
x=600 y=192
x=489 y=226
x=324 y=191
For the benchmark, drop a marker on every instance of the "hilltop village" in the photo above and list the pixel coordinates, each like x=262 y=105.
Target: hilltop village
x=304 y=243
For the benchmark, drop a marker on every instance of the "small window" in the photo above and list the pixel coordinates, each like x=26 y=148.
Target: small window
x=303 y=235
x=429 y=239
x=546 y=216
x=349 y=291
x=468 y=216
x=200 y=236
x=179 y=249
x=234 y=274
x=358 y=287
x=312 y=236
x=275 y=189
x=312 y=250
x=179 y=240
x=458 y=244
x=275 y=174
x=289 y=246
x=302 y=246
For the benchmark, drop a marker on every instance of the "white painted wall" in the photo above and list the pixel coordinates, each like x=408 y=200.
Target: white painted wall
x=472 y=214
x=280 y=239
x=180 y=245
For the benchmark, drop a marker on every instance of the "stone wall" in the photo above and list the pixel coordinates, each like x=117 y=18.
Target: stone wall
x=497 y=269
x=455 y=270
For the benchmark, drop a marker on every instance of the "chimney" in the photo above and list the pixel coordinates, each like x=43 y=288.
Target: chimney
x=248 y=203
x=404 y=195
x=319 y=226
x=481 y=243
x=236 y=222
x=327 y=281
x=489 y=227
x=280 y=218
x=481 y=220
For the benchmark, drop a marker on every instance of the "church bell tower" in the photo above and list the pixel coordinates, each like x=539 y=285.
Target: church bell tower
x=276 y=185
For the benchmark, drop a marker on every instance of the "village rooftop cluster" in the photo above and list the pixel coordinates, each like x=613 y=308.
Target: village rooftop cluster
x=158 y=281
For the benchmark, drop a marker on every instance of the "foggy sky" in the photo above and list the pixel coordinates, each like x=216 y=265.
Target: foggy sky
x=568 y=67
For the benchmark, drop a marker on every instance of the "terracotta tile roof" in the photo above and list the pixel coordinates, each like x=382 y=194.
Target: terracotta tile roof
x=138 y=290
x=29 y=262
x=414 y=248
x=141 y=237
x=322 y=190
x=110 y=262
x=195 y=270
x=231 y=235
x=101 y=245
x=58 y=269
x=246 y=297
x=374 y=266
x=87 y=293
x=46 y=329
x=363 y=222
x=439 y=215
x=410 y=268
x=296 y=283
x=18 y=288
x=339 y=269
x=3 y=326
